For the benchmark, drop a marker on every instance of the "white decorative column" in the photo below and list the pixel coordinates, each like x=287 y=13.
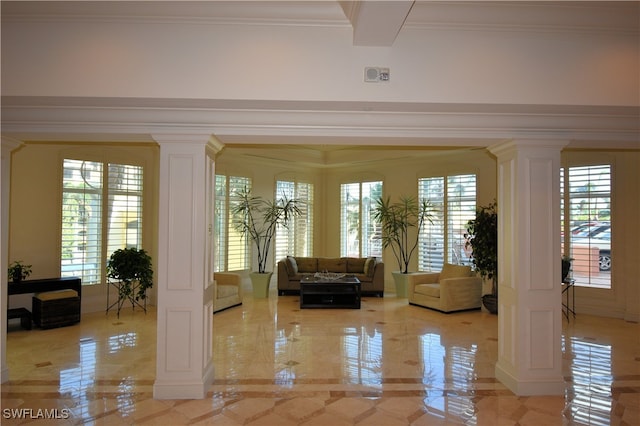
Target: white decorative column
x=529 y=257
x=185 y=295
x=8 y=145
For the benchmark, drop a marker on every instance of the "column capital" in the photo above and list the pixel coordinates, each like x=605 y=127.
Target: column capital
x=191 y=138
x=512 y=145
x=214 y=146
x=9 y=144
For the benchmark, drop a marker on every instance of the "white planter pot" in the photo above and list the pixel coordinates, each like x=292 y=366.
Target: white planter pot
x=402 y=283
x=260 y=283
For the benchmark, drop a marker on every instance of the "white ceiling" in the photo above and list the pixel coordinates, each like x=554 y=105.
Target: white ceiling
x=374 y=23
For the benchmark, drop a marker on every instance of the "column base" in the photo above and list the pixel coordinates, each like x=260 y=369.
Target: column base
x=532 y=387
x=180 y=390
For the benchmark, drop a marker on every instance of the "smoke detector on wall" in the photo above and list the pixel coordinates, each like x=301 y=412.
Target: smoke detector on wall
x=376 y=74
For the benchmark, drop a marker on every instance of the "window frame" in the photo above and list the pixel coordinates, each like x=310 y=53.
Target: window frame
x=368 y=227
x=300 y=232
x=223 y=205
x=446 y=240
x=586 y=270
x=109 y=195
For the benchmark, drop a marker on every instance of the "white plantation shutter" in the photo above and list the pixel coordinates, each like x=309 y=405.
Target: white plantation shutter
x=98 y=219
x=586 y=223
x=357 y=227
x=124 y=224
x=431 y=239
x=297 y=238
x=454 y=201
x=461 y=207
x=231 y=250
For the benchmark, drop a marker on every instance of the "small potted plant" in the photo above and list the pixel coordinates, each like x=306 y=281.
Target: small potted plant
x=400 y=224
x=132 y=270
x=259 y=219
x=18 y=271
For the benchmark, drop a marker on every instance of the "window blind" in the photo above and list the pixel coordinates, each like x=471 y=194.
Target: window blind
x=297 y=238
x=357 y=226
x=232 y=251
x=587 y=223
x=443 y=239
x=98 y=219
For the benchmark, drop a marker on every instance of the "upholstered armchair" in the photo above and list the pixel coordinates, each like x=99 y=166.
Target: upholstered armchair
x=227 y=291
x=455 y=288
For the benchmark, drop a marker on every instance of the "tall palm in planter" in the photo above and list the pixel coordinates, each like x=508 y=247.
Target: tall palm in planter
x=400 y=223
x=482 y=237
x=259 y=219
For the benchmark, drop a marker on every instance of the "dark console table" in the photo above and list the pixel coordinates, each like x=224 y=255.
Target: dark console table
x=341 y=293
x=38 y=286
x=47 y=284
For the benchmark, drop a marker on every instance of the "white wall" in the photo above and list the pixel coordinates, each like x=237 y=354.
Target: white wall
x=220 y=61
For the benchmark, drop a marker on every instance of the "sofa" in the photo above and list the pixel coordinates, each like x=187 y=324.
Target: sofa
x=455 y=288
x=227 y=291
x=368 y=270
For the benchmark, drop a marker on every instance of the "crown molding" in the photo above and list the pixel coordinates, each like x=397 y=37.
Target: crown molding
x=246 y=122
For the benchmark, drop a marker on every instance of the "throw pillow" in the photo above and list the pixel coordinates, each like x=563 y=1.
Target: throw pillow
x=454 y=271
x=292 y=266
x=369 y=266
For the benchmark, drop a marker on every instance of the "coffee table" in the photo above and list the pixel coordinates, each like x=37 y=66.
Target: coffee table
x=341 y=293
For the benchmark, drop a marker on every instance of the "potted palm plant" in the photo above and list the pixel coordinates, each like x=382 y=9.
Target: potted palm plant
x=258 y=219
x=132 y=273
x=482 y=238
x=400 y=223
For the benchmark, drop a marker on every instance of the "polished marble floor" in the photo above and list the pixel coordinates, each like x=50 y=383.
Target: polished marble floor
x=276 y=365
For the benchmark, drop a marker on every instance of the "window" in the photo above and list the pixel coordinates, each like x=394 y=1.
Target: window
x=297 y=238
x=586 y=223
x=98 y=219
x=454 y=199
x=230 y=249
x=357 y=227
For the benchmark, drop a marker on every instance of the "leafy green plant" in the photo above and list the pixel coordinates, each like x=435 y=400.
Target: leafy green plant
x=129 y=265
x=18 y=271
x=482 y=237
x=259 y=219
x=396 y=223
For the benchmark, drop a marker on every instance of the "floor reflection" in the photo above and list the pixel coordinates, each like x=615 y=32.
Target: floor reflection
x=592 y=379
x=274 y=364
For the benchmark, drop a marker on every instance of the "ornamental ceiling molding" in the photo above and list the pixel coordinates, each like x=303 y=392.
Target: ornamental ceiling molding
x=50 y=118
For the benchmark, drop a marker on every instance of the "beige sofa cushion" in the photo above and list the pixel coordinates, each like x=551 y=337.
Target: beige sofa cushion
x=307 y=264
x=355 y=265
x=227 y=290
x=332 y=264
x=454 y=271
x=432 y=290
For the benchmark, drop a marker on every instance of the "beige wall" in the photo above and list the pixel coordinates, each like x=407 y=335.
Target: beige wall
x=34 y=212
x=35 y=206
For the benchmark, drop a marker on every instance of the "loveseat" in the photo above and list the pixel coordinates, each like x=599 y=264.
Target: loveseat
x=227 y=291
x=455 y=288
x=368 y=270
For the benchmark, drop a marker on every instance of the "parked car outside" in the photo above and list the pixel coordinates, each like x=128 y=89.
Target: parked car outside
x=602 y=240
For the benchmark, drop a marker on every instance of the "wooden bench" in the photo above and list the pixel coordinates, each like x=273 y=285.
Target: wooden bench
x=23 y=314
